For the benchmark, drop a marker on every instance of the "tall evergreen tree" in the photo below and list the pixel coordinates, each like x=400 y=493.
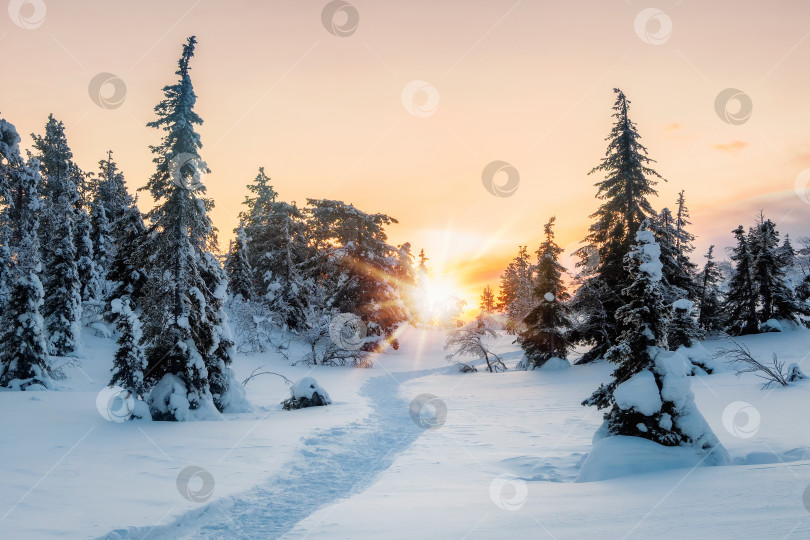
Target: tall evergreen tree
x=776 y=299
x=278 y=253
x=710 y=315
x=183 y=300
x=629 y=181
x=237 y=265
x=487 y=300
x=89 y=279
x=741 y=301
x=515 y=298
x=62 y=308
x=23 y=351
x=10 y=162
x=549 y=321
x=129 y=362
x=648 y=396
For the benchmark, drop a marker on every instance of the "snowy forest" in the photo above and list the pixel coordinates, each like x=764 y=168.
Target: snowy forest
x=90 y=259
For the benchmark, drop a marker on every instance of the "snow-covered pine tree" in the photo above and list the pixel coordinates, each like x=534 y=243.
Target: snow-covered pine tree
x=187 y=349
x=740 y=305
x=649 y=396
x=359 y=265
x=710 y=315
x=405 y=274
x=278 y=253
x=776 y=299
x=684 y=245
x=127 y=275
x=678 y=281
x=23 y=351
x=237 y=266
x=91 y=288
x=682 y=330
x=487 y=300
x=62 y=309
x=129 y=363
x=515 y=298
x=547 y=324
x=10 y=162
x=101 y=240
x=629 y=181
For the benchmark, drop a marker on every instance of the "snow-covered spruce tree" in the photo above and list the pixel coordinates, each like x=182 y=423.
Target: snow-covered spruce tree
x=740 y=305
x=677 y=281
x=547 y=324
x=359 y=266
x=10 y=162
x=129 y=363
x=102 y=241
x=629 y=181
x=127 y=276
x=89 y=278
x=23 y=351
x=405 y=275
x=487 y=304
x=516 y=295
x=62 y=309
x=776 y=299
x=470 y=341
x=649 y=396
x=187 y=347
x=682 y=330
x=237 y=266
x=684 y=245
x=710 y=314
x=278 y=253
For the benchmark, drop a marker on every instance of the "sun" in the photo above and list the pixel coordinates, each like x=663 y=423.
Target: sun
x=439 y=299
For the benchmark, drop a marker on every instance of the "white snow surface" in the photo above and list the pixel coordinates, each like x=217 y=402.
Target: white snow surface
x=502 y=462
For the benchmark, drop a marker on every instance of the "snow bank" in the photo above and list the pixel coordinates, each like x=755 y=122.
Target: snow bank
x=618 y=456
x=554 y=364
x=169 y=400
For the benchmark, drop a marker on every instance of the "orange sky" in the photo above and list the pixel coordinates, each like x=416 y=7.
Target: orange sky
x=525 y=82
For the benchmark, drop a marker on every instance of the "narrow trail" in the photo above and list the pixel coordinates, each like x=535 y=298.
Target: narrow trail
x=333 y=464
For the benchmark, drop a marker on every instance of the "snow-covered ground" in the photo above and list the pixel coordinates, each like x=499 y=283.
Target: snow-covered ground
x=491 y=456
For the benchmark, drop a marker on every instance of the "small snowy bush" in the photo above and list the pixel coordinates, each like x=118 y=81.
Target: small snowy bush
x=306 y=393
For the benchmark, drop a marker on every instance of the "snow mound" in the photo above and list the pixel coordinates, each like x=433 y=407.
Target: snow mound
x=234 y=400
x=555 y=364
x=168 y=400
x=771 y=325
x=699 y=360
x=639 y=392
x=614 y=457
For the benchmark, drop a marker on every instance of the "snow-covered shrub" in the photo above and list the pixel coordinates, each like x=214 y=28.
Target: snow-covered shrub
x=739 y=356
x=168 y=400
x=469 y=341
x=306 y=393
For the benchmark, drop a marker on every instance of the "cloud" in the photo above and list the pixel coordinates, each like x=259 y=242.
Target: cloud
x=673 y=127
x=734 y=147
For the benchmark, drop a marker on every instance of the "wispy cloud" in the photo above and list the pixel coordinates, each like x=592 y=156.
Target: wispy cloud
x=734 y=147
